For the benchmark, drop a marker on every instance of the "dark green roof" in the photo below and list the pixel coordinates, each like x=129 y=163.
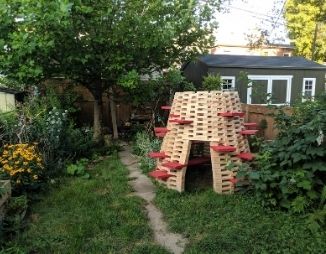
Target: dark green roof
x=8 y=90
x=260 y=62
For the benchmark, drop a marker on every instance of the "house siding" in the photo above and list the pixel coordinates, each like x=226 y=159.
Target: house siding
x=7 y=102
x=196 y=72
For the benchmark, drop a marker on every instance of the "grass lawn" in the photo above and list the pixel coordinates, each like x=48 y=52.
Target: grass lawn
x=235 y=224
x=88 y=216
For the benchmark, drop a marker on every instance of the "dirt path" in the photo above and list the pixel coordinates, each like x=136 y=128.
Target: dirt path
x=145 y=189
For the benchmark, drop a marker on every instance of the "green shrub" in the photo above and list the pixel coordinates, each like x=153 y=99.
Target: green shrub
x=144 y=144
x=78 y=169
x=212 y=82
x=47 y=121
x=15 y=214
x=291 y=171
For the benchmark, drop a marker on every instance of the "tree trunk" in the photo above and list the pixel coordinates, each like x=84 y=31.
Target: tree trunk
x=97 y=124
x=97 y=110
x=113 y=112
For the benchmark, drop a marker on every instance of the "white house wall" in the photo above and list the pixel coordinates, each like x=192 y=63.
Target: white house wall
x=7 y=102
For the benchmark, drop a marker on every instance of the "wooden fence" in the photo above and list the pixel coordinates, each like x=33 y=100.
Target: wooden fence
x=259 y=114
x=263 y=116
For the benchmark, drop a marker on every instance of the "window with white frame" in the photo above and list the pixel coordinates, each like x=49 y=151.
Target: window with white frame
x=228 y=83
x=308 y=88
x=269 y=89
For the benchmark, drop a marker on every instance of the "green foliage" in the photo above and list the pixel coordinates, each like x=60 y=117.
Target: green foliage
x=159 y=88
x=303 y=18
x=142 y=146
x=235 y=224
x=101 y=44
x=44 y=120
x=71 y=40
x=290 y=171
x=130 y=80
x=5 y=82
x=78 y=169
x=212 y=82
x=14 y=219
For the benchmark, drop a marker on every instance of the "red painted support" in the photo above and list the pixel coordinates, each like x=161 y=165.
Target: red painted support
x=166 y=107
x=246 y=156
x=157 y=155
x=223 y=149
x=198 y=161
x=255 y=125
x=160 y=174
x=234 y=180
x=181 y=121
x=248 y=132
x=173 y=165
x=161 y=129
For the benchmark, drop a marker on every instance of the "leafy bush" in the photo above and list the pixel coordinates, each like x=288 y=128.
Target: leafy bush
x=15 y=214
x=78 y=169
x=144 y=144
x=212 y=82
x=290 y=171
x=47 y=121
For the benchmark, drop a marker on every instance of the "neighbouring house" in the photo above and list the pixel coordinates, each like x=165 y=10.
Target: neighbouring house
x=262 y=50
x=274 y=79
x=7 y=99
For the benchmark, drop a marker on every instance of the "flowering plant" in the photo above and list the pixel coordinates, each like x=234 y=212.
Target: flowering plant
x=22 y=163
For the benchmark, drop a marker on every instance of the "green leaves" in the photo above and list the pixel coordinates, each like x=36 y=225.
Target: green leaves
x=129 y=80
x=78 y=169
x=290 y=171
x=212 y=82
x=304 y=18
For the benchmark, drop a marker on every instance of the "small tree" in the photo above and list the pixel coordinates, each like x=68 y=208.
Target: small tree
x=306 y=25
x=212 y=82
x=95 y=43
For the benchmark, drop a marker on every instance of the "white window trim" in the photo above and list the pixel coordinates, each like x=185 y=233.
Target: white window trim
x=229 y=77
x=313 y=87
x=270 y=79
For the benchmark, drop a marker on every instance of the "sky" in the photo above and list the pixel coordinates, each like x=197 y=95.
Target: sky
x=243 y=17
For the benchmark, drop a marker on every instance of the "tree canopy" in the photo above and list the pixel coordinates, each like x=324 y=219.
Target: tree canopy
x=96 y=43
x=88 y=40
x=307 y=27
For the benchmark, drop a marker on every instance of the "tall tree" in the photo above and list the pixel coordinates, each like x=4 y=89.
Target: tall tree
x=306 y=22
x=95 y=43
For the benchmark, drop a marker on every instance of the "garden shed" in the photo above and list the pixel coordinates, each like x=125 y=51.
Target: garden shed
x=276 y=79
x=7 y=99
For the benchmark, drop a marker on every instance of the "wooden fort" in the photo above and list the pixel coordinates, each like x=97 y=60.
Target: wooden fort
x=212 y=121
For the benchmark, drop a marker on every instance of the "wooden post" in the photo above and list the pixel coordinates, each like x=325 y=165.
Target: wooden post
x=113 y=112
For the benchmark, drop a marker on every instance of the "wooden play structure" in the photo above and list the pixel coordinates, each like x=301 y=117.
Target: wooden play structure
x=203 y=127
